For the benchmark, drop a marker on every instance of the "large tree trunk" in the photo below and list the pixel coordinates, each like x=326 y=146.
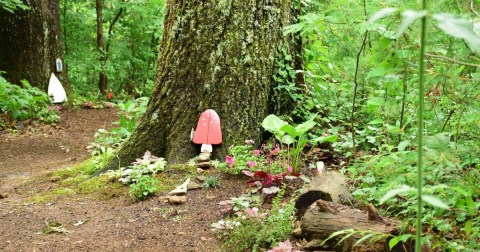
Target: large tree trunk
x=214 y=54
x=30 y=43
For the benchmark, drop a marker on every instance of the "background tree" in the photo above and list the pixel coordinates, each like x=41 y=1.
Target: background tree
x=132 y=31
x=30 y=43
x=218 y=55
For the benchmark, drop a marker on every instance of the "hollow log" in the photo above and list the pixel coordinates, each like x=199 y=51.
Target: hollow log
x=323 y=218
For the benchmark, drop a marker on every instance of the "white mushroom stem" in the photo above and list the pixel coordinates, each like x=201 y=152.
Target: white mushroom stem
x=206 y=148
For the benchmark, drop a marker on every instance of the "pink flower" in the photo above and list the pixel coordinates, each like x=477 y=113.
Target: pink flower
x=248 y=173
x=252 y=212
x=251 y=164
x=58 y=107
x=289 y=169
x=284 y=247
x=230 y=160
x=256 y=152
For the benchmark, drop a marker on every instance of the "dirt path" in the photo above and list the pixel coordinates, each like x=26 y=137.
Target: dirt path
x=93 y=223
x=42 y=148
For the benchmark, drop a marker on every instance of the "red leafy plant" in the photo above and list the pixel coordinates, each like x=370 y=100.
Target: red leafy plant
x=269 y=183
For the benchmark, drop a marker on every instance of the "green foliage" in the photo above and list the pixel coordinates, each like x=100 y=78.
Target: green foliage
x=148 y=165
x=239 y=158
x=211 y=182
x=132 y=45
x=140 y=175
x=356 y=53
x=257 y=230
x=13 y=5
x=53 y=228
x=379 y=177
x=143 y=187
x=294 y=137
x=26 y=103
x=129 y=115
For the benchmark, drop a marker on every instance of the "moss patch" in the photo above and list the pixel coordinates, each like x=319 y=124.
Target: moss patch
x=91 y=185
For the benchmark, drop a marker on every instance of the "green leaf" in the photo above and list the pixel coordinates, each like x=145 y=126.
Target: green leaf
x=409 y=16
x=374 y=103
x=273 y=124
x=394 y=192
x=458 y=28
x=376 y=121
x=288 y=139
x=304 y=127
x=401 y=238
x=290 y=130
x=434 y=201
x=402 y=145
x=381 y=14
x=363 y=239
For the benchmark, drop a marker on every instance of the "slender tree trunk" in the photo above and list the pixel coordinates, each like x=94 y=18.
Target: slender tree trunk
x=102 y=80
x=30 y=43
x=214 y=55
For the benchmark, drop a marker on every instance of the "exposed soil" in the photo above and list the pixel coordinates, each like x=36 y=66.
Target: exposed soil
x=92 y=223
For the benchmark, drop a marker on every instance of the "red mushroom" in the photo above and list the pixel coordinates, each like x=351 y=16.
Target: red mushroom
x=208 y=130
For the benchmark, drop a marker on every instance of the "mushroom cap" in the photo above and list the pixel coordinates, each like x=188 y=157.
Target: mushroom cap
x=208 y=128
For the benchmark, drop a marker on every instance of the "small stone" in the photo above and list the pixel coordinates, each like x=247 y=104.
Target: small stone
x=177 y=200
x=55 y=179
x=201 y=178
x=206 y=165
x=181 y=233
x=20 y=125
x=3 y=195
x=193 y=186
x=200 y=170
x=203 y=157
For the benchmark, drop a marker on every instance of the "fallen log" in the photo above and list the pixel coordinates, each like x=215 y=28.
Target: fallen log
x=324 y=218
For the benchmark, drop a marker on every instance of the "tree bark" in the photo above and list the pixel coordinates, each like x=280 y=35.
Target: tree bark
x=214 y=54
x=102 y=76
x=30 y=43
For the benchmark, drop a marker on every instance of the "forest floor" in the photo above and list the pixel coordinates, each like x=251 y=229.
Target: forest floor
x=92 y=222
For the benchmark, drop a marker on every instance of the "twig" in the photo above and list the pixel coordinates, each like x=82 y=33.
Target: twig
x=451 y=60
x=473 y=9
x=357 y=63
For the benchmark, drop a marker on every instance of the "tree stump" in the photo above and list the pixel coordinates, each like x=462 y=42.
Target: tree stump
x=329 y=186
x=324 y=218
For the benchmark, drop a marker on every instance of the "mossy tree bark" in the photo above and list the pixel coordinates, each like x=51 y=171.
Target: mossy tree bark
x=214 y=54
x=30 y=43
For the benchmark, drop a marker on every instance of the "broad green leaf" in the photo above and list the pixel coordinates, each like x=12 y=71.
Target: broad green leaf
x=458 y=28
x=434 y=201
x=287 y=139
x=394 y=192
x=409 y=16
x=381 y=14
x=330 y=139
x=374 y=103
x=304 y=127
x=402 y=145
x=289 y=130
x=273 y=124
x=376 y=121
